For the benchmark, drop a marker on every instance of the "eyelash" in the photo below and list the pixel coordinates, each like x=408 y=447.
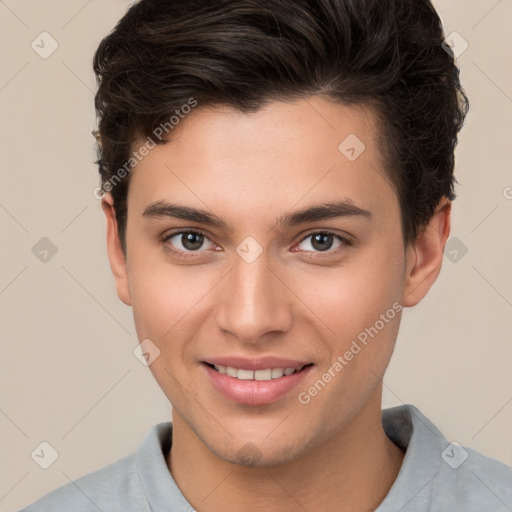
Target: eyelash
x=191 y=254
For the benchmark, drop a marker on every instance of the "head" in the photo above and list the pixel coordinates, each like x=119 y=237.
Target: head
x=278 y=179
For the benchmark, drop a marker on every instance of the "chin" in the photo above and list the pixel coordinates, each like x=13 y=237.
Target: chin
x=260 y=453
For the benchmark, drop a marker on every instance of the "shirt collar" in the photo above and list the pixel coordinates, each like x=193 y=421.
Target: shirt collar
x=405 y=425
x=161 y=490
x=409 y=429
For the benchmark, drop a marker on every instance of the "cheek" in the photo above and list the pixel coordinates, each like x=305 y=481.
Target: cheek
x=168 y=303
x=351 y=297
x=360 y=305
x=165 y=296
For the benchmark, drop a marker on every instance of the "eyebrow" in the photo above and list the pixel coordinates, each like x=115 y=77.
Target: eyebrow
x=323 y=211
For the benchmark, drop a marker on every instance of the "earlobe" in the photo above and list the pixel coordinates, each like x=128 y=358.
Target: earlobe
x=116 y=255
x=425 y=255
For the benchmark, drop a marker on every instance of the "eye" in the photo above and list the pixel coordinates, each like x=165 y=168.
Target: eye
x=322 y=241
x=188 y=241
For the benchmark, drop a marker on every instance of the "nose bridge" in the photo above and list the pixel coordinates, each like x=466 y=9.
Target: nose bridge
x=253 y=301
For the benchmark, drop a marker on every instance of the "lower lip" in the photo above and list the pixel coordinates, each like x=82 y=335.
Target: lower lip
x=255 y=392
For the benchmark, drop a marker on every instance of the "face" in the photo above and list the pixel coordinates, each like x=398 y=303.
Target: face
x=257 y=248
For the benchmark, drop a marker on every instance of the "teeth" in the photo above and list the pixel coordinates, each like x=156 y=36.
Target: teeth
x=267 y=374
x=262 y=374
x=230 y=371
x=245 y=375
x=277 y=372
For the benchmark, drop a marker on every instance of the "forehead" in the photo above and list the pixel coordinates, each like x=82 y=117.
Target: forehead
x=286 y=153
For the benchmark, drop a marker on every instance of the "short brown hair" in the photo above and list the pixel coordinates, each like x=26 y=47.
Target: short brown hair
x=244 y=53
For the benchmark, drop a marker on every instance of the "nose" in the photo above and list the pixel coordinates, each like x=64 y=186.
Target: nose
x=253 y=301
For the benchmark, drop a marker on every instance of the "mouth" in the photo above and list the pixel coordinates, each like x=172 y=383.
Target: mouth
x=259 y=375
x=260 y=382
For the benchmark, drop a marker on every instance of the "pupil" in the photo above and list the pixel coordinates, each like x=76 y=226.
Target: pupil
x=192 y=241
x=322 y=241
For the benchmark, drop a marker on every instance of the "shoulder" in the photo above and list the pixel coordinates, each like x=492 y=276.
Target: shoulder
x=440 y=475
x=471 y=480
x=127 y=484
x=106 y=489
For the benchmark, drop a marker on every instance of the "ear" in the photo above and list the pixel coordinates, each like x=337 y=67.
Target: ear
x=424 y=256
x=115 y=252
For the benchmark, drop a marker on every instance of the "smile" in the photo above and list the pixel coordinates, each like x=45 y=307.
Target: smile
x=266 y=374
x=264 y=384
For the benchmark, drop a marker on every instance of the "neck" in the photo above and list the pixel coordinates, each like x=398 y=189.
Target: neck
x=352 y=471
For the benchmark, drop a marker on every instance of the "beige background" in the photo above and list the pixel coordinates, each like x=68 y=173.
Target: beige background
x=68 y=373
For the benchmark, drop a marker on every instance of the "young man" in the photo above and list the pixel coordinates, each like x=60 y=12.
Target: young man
x=277 y=179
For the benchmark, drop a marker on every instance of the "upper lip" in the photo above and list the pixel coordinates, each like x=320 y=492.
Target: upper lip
x=262 y=363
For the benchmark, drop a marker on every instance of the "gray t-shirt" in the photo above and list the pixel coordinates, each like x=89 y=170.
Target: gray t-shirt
x=435 y=476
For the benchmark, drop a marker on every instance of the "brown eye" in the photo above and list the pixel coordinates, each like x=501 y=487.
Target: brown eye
x=192 y=241
x=322 y=241
x=188 y=241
